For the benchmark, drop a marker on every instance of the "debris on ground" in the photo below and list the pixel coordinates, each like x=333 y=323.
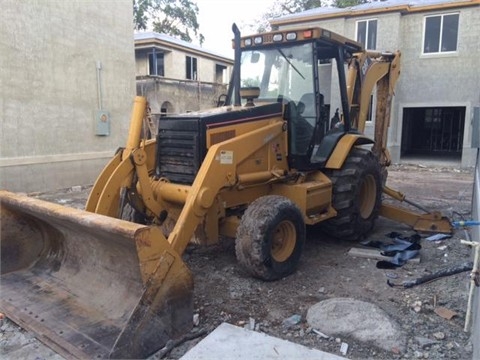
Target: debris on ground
x=451 y=270
x=445 y=313
x=438 y=237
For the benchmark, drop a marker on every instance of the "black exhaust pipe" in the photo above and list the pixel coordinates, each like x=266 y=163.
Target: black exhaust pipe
x=236 y=66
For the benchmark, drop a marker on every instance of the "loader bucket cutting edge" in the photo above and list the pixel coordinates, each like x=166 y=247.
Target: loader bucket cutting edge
x=90 y=286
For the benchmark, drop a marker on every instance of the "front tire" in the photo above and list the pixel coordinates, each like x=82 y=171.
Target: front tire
x=270 y=238
x=357 y=191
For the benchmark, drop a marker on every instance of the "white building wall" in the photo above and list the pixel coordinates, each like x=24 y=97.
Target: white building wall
x=49 y=98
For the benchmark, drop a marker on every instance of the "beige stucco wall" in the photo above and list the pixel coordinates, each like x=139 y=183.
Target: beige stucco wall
x=49 y=51
x=175 y=65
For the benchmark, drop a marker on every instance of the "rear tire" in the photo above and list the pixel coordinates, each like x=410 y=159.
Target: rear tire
x=357 y=191
x=270 y=238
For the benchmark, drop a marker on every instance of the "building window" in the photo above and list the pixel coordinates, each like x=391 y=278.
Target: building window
x=325 y=61
x=370 y=115
x=441 y=33
x=191 y=68
x=156 y=64
x=367 y=33
x=220 y=74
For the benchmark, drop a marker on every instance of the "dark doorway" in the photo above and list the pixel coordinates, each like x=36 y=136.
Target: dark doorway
x=433 y=131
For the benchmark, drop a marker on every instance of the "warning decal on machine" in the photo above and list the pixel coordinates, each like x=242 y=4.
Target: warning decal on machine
x=226 y=157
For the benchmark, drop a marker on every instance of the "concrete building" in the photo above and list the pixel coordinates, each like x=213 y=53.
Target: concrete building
x=67 y=85
x=176 y=76
x=437 y=98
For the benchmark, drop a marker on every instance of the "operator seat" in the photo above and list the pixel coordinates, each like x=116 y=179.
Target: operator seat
x=306 y=107
x=310 y=114
x=303 y=123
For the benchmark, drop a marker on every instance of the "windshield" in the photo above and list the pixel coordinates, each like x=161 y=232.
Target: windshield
x=279 y=72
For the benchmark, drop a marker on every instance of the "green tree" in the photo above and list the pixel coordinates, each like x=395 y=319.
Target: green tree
x=296 y=6
x=177 y=18
x=140 y=14
x=348 y=3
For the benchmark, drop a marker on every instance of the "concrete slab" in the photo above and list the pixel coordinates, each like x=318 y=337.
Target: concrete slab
x=361 y=320
x=232 y=342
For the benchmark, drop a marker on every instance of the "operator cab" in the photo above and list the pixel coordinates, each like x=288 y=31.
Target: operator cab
x=299 y=68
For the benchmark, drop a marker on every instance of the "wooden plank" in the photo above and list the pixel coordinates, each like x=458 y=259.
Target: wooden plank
x=375 y=255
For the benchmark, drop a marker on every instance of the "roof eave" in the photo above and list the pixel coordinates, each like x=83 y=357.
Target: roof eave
x=404 y=9
x=168 y=46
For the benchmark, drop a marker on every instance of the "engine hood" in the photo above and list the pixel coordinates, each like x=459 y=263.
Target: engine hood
x=224 y=114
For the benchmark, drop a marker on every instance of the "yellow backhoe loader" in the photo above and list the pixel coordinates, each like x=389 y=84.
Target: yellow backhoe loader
x=110 y=281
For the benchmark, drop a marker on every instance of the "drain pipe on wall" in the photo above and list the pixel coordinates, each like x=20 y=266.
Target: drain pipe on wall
x=102 y=117
x=98 y=66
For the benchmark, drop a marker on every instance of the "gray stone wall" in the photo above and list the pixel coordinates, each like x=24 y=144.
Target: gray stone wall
x=49 y=98
x=182 y=95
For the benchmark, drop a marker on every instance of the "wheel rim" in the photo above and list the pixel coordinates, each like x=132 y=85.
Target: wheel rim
x=284 y=240
x=368 y=196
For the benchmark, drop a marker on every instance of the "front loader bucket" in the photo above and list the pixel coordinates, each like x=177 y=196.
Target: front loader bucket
x=88 y=285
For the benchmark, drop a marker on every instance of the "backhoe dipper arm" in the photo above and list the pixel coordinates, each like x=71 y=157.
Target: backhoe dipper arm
x=218 y=171
x=366 y=70
x=385 y=92
x=431 y=221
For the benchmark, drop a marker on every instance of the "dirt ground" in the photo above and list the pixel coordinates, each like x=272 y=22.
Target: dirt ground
x=225 y=293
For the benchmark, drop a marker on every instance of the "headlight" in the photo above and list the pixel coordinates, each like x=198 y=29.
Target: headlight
x=291 y=36
x=277 y=37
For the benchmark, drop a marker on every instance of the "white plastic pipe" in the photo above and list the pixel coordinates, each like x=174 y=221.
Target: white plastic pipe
x=476 y=246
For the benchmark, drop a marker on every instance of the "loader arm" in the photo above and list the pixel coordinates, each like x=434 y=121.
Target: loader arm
x=105 y=195
x=218 y=171
x=130 y=169
x=137 y=158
